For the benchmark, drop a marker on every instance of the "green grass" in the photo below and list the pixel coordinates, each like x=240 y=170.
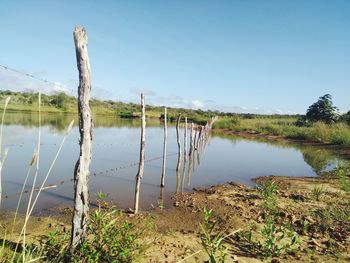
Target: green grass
x=338 y=133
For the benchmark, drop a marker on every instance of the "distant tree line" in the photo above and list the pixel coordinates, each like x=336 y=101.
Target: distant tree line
x=322 y=110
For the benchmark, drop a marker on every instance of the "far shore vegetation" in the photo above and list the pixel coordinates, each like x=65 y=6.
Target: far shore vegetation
x=322 y=122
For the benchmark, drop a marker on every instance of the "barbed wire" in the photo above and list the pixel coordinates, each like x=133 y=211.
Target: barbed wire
x=105 y=173
x=56 y=84
x=59 y=86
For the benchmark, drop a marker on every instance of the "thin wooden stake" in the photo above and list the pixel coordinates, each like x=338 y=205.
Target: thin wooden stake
x=178 y=173
x=142 y=155
x=164 y=149
x=82 y=167
x=178 y=142
x=195 y=138
x=185 y=138
x=191 y=139
x=199 y=136
x=189 y=168
x=185 y=156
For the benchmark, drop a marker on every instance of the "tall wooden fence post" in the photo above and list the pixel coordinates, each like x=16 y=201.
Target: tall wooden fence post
x=185 y=138
x=191 y=139
x=82 y=167
x=142 y=155
x=195 y=138
x=164 y=149
x=178 y=142
x=185 y=156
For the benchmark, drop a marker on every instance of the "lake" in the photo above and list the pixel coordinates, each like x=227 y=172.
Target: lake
x=115 y=161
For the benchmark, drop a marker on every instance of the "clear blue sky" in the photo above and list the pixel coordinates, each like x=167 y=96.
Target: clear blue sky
x=235 y=55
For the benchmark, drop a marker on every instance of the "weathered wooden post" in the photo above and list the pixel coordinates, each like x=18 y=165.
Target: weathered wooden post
x=178 y=174
x=191 y=139
x=189 y=168
x=161 y=198
x=82 y=167
x=164 y=149
x=185 y=156
x=142 y=155
x=178 y=142
x=185 y=138
x=199 y=136
x=195 y=138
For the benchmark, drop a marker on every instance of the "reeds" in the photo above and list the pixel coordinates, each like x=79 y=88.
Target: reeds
x=2 y=158
x=28 y=255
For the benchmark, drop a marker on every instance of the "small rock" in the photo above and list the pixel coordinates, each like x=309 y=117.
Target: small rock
x=298 y=197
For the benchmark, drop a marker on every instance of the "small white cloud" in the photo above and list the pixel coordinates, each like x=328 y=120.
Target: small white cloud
x=147 y=92
x=196 y=104
x=16 y=81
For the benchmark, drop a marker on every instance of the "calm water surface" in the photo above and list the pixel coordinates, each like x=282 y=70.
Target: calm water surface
x=115 y=157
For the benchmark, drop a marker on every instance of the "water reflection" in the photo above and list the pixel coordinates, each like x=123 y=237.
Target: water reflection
x=320 y=159
x=217 y=159
x=59 y=122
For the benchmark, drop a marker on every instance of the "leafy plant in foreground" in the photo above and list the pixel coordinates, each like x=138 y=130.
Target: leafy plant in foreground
x=276 y=239
x=268 y=191
x=212 y=241
x=110 y=239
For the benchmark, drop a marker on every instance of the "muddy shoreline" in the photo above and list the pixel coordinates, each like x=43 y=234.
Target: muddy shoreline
x=176 y=233
x=235 y=206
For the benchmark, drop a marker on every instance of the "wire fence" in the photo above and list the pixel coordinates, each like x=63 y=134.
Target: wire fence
x=50 y=86
x=111 y=172
x=43 y=80
x=106 y=173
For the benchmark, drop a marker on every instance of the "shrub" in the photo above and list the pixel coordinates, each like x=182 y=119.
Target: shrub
x=340 y=135
x=317 y=192
x=110 y=239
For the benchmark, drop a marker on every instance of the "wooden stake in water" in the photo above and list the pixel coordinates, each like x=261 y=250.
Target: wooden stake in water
x=178 y=174
x=195 y=138
x=189 y=168
x=178 y=142
x=185 y=138
x=164 y=149
x=185 y=156
x=191 y=139
x=142 y=155
x=82 y=167
x=199 y=137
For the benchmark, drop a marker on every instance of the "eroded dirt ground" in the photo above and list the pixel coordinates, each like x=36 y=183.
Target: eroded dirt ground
x=322 y=226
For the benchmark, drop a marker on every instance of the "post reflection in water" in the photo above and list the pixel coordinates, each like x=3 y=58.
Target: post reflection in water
x=217 y=159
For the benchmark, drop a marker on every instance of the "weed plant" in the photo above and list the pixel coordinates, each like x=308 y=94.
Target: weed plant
x=110 y=239
x=317 y=192
x=276 y=239
x=213 y=238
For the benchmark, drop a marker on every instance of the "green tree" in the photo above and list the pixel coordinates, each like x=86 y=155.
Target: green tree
x=323 y=110
x=61 y=100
